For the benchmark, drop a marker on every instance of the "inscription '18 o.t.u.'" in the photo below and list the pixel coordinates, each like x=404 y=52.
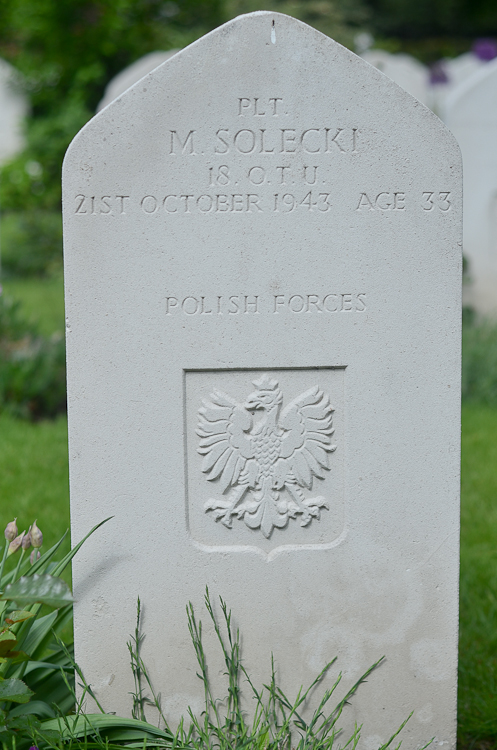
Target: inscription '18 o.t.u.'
x=264 y=458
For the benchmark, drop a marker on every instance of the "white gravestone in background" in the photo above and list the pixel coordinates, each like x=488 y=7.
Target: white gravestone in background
x=13 y=109
x=471 y=114
x=262 y=245
x=456 y=71
x=132 y=74
x=405 y=70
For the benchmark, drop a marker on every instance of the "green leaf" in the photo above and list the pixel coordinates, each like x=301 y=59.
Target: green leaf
x=43 y=589
x=7 y=641
x=117 y=728
x=16 y=656
x=38 y=635
x=18 y=615
x=14 y=690
x=38 y=708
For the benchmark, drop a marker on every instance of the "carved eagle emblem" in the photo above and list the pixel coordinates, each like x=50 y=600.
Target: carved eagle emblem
x=260 y=458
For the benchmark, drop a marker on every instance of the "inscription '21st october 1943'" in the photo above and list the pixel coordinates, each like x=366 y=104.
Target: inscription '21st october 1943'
x=251 y=184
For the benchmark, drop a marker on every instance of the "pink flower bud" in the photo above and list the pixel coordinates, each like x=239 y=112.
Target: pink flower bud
x=35 y=556
x=11 y=530
x=26 y=540
x=15 y=544
x=36 y=536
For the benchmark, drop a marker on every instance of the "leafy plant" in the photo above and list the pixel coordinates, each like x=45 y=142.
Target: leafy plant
x=35 y=666
x=278 y=722
x=31 y=242
x=32 y=368
x=65 y=81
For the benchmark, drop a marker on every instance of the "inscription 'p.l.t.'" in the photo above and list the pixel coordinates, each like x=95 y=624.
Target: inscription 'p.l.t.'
x=259 y=107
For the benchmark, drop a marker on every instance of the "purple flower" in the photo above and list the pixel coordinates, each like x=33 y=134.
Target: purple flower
x=15 y=544
x=36 y=536
x=438 y=74
x=11 y=530
x=485 y=49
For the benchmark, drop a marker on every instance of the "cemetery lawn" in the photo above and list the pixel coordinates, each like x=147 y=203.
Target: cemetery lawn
x=478 y=602
x=34 y=478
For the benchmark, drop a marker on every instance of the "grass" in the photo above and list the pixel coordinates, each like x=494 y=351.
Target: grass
x=478 y=602
x=42 y=301
x=34 y=477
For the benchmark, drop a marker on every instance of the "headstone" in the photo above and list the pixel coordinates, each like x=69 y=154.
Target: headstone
x=132 y=74
x=471 y=115
x=13 y=109
x=447 y=75
x=405 y=70
x=262 y=240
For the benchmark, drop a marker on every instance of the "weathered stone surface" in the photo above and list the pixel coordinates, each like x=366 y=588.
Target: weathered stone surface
x=471 y=114
x=264 y=228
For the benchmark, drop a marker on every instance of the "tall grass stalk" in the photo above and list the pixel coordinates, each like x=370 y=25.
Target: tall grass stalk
x=277 y=723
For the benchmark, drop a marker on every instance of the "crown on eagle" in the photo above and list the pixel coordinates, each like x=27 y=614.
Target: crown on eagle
x=265 y=383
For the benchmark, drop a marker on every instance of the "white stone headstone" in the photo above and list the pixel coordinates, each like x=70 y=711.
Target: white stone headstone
x=14 y=107
x=405 y=70
x=460 y=68
x=457 y=71
x=132 y=74
x=471 y=114
x=262 y=237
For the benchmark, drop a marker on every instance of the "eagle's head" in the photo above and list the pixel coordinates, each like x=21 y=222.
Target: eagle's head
x=267 y=396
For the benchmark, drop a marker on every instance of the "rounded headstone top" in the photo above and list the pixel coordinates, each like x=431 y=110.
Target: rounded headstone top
x=474 y=101
x=405 y=70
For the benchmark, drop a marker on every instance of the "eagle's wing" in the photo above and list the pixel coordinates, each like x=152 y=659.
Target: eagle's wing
x=307 y=422
x=224 y=443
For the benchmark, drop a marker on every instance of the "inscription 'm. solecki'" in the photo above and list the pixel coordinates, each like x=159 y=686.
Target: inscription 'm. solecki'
x=273 y=139
x=265 y=141
x=255 y=304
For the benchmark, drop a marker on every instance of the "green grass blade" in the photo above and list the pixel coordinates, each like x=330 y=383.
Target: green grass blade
x=121 y=728
x=396 y=734
x=67 y=559
x=38 y=631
